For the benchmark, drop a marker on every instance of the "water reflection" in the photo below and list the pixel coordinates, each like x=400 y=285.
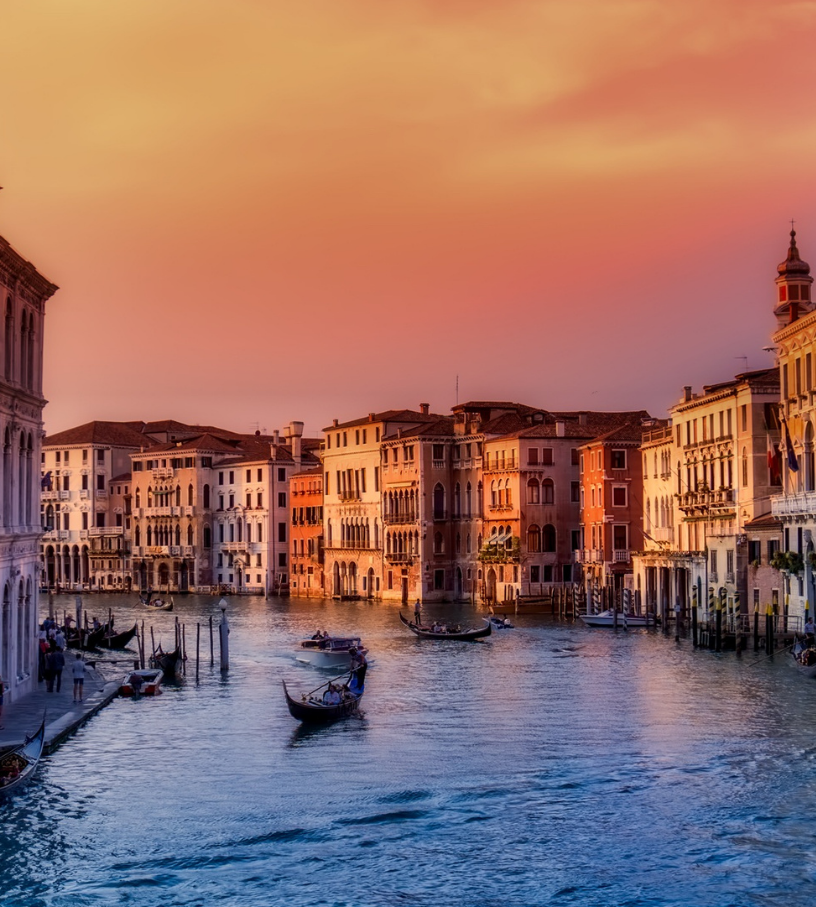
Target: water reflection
x=549 y=763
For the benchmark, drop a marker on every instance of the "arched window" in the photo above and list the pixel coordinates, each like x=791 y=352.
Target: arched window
x=548 y=538
x=23 y=347
x=9 y=340
x=534 y=539
x=178 y=535
x=547 y=491
x=533 y=492
x=439 y=545
x=190 y=536
x=457 y=500
x=190 y=495
x=439 y=502
x=494 y=496
x=138 y=535
x=468 y=503
x=508 y=495
x=138 y=498
x=178 y=496
x=149 y=536
x=30 y=355
x=648 y=515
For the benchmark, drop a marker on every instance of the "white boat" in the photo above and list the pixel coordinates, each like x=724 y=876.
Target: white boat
x=607 y=619
x=330 y=651
x=146 y=682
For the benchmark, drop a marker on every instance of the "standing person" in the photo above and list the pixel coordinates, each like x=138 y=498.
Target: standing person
x=59 y=639
x=78 y=673
x=57 y=664
x=418 y=613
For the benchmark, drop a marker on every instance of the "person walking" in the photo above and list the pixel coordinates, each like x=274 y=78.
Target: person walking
x=57 y=664
x=78 y=673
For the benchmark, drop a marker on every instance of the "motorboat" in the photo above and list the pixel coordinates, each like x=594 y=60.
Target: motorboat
x=143 y=682
x=329 y=651
x=607 y=619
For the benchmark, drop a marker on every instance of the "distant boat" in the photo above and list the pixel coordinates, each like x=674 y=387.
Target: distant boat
x=446 y=631
x=19 y=764
x=607 y=619
x=500 y=623
x=312 y=710
x=159 y=604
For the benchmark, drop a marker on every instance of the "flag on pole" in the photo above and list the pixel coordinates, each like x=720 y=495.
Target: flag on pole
x=45 y=482
x=793 y=462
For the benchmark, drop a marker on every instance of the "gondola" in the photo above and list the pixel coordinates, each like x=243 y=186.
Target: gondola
x=428 y=633
x=19 y=764
x=86 y=639
x=313 y=711
x=167 y=661
x=159 y=605
x=118 y=640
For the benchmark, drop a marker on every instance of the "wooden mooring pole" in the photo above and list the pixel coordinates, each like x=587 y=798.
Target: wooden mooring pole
x=198 y=646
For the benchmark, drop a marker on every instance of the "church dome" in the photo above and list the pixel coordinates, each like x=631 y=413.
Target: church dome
x=793 y=266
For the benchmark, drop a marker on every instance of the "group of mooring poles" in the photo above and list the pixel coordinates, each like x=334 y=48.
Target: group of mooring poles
x=181 y=642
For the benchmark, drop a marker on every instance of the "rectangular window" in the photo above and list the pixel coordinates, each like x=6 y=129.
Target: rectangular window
x=535 y=573
x=85 y=520
x=281 y=474
x=232 y=477
x=581 y=466
x=575 y=492
x=439 y=451
x=260 y=500
x=547 y=456
x=100 y=482
x=85 y=482
x=619 y=458
x=439 y=579
x=365 y=436
x=729 y=564
x=620 y=538
x=281 y=532
x=249 y=500
x=755 y=552
x=574 y=456
x=282 y=559
x=744 y=413
x=713 y=563
x=376 y=478
x=281 y=499
x=357 y=437
x=100 y=456
x=231 y=501
x=220 y=478
x=618 y=495
x=532 y=456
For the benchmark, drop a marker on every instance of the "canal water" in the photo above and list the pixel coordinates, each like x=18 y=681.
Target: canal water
x=549 y=764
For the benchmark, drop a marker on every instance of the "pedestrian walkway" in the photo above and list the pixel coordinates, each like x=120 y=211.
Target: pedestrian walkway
x=62 y=715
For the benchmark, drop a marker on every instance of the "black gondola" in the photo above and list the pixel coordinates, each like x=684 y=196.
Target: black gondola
x=19 y=764
x=86 y=639
x=118 y=640
x=313 y=711
x=428 y=633
x=167 y=661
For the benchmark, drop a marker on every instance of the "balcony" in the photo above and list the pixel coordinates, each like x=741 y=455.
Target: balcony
x=84 y=494
x=662 y=534
x=802 y=503
x=396 y=519
x=400 y=558
x=64 y=495
x=53 y=535
x=621 y=556
x=49 y=495
x=349 y=496
x=105 y=530
x=164 y=473
x=233 y=546
x=499 y=508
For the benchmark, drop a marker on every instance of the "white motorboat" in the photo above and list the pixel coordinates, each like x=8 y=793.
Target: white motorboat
x=329 y=651
x=607 y=619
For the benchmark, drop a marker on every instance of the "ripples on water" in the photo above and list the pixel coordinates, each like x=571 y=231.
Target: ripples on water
x=550 y=764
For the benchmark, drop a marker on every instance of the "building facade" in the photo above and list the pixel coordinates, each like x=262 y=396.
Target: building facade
x=23 y=295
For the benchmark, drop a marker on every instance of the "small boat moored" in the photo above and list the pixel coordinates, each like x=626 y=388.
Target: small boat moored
x=143 y=682
x=329 y=651
x=167 y=661
x=19 y=764
x=607 y=619
x=803 y=652
x=448 y=631
x=118 y=640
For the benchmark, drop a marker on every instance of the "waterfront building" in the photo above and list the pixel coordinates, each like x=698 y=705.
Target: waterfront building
x=23 y=294
x=612 y=510
x=352 y=458
x=795 y=504
x=84 y=543
x=722 y=481
x=306 y=549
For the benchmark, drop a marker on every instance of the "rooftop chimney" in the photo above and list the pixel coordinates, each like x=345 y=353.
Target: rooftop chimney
x=371 y=417
x=335 y=423
x=295 y=434
x=424 y=408
x=582 y=419
x=275 y=437
x=687 y=393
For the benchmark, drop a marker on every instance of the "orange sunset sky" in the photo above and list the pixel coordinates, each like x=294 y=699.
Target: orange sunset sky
x=261 y=210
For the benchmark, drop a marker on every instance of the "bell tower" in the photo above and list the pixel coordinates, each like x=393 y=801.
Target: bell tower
x=793 y=298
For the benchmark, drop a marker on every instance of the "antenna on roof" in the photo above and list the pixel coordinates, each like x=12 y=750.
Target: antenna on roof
x=457 y=390
x=745 y=359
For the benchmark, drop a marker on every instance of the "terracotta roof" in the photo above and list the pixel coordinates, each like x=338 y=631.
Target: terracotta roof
x=595 y=425
x=314 y=471
x=389 y=415
x=443 y=427
x=206 y=442
x=124 y=477
x=766 y=521
x=115 y=434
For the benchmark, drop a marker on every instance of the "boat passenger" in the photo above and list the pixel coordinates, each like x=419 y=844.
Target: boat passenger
x=327 y=696
x=317 y=635
x=810 y=629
